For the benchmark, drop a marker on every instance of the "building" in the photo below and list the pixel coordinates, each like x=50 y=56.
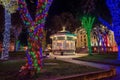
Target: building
x=81 y=41
x=106 y=39
x=63 y=42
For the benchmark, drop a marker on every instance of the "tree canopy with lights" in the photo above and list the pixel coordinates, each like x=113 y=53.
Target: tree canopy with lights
x=114 y=9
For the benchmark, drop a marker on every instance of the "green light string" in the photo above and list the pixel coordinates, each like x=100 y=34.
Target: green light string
x=87 y=22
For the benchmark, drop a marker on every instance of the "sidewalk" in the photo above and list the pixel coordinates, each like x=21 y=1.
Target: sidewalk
x=69 y=59
x=68 y=56
x=92 y=64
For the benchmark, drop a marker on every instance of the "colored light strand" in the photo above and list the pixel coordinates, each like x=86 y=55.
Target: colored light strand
x=87 y=22
x=114 y=8
x=35 y=29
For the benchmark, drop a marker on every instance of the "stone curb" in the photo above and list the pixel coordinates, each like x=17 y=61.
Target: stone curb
x=98 y=62
x=91 y=76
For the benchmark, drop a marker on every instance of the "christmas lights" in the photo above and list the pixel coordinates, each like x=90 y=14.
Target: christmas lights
x=6 y=39
x=87 y=22
x=97 y=32
x=114 y=8
x=10 y=7
x=35 y=29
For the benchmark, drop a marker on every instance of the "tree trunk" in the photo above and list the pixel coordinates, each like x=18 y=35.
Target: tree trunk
x=6 y=39
x=89 y=43
x=118 y=53
x=117 y=39
x=98 y=41
x=103 y=44
x=34 y=52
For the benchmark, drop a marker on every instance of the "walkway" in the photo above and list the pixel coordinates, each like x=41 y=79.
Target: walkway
x=69 y=59
x=92 y=64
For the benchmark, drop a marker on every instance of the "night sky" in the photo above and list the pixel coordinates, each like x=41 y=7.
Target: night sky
x=76 y=6
x=58 y=7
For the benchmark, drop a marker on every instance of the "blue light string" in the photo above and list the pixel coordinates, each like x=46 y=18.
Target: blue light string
x=105 y=23
x=114 y=7
x=6 y=39
x=29 y=59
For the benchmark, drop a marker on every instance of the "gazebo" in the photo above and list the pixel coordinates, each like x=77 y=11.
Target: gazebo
x=63 y=42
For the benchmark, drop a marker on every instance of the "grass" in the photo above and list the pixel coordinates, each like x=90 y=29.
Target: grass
x=101 y=58
x=63 y=69
x=9 y=69
x=18 y=54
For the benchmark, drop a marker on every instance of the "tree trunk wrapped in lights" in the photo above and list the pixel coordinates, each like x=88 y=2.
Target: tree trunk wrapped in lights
x=6 y=39
x=96 y=32
x=10 y=7
x=114 y=8
x=35 y=29
x=87 y=22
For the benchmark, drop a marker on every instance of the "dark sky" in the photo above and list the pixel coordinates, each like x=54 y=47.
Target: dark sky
x=77 y=6
x=74 y=6
x=58 y=7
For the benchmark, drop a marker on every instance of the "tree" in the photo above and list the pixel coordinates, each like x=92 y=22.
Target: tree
x=114 y=8
x=17 y=27
x=10 y=7
x=35 y=30
x=101 y=34
x=87 y=22
x=104 y=32
x=98 y=36
x=16 y=30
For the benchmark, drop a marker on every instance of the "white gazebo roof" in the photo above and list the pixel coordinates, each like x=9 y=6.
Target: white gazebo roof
x=63 y=33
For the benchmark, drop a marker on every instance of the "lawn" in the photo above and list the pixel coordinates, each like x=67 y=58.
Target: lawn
x=19 y=54
x=101 y=58
x=52 y=68
x=9 y=69
x=16 y=55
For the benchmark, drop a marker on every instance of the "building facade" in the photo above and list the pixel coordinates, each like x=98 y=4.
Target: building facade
x=99 y=38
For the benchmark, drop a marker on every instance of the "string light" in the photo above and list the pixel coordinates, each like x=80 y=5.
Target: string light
x=87 y=22
x=10 y=7
x=35 y=29
x=6 y=39
x=114 y=8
